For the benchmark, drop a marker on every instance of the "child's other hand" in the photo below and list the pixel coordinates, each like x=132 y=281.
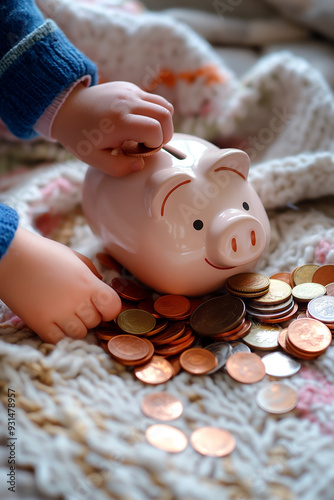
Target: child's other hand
x=94 y=121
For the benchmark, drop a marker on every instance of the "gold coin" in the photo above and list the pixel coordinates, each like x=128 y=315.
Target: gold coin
x=167 y=438
x=136 y=321
x=213 y=441
x=161 y=406
x=157 y=371
x=277 y=398
x=248 y=282
x=304 y=274
x=279 y=291
x=308 y=291
x=263 y=336
x=245 y=367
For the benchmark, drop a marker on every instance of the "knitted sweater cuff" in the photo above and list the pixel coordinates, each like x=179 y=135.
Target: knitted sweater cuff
x=34 y=73
x=8 y=224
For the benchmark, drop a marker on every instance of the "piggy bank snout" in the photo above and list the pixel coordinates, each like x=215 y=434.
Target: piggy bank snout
x=235 y=238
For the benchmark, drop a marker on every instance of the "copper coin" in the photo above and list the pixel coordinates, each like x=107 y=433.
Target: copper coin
x=167 y=438
x=322 y=308
x=136 y=321
x=161 y=406
x=282 y=338
x=213 y=441
x=148 y=305
x=107 y=261
x=279 y=291
x=269 y=309
x=170 y=350
x=103 y=335
x=128 y=289
x=185 y=336
x=160 y=326
x=324 y=275
x=172 y=332
x=279 y=364
x=132 y=148
x=239 y=335
x=248 y=282
x=309 y=335
x=245 y=295
x=172 y=306
x=142 y=361
x=283 y=276
x=217 y=315
x=298 y=353
x=245 y=367
x=175 y=362
x=271 y=315
x=157 y=371
x=262 y=336
x=236 y=329
x=282 y=319
x=304 y=274
x=330 y=289
x=198 y=361
x=128 y=347
x=277 y=398
x=308 y=291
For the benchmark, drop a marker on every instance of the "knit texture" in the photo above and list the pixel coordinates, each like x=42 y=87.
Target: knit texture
x=8 y=226
x=40 y=63
x=81 y=433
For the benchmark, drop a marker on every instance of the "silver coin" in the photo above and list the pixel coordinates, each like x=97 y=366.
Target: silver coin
x=322 y=308
x=222 y=351
x=239 y=347
x=279 y=364
x=277 y=398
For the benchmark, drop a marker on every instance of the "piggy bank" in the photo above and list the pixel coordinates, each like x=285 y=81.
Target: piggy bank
x=186 y=222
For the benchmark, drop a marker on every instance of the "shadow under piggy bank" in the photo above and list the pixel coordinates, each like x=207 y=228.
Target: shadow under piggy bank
x=186 y=222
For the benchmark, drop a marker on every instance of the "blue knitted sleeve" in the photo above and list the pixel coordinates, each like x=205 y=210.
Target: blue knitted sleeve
x=8 y=224
x=37 y=62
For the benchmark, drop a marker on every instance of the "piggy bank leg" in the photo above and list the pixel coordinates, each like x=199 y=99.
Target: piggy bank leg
x=52 y=289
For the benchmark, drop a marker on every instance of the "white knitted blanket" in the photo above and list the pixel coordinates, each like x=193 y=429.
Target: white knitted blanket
x=79 y=428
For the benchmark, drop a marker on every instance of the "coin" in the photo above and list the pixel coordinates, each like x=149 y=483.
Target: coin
x=170 y=349
x=271 y=315
x=279 y=364
x=309 y=335
x=161 y=406
x=330 y=289
x=324 y=275
x=160 y=326
x=269 y=309
x=128 y=347
x=282 y=338
x=172 y=332
x=128 y=289
x=308 y=291
x=245 y=367
x=132 y=148
x=136 y=321
x=148 y=305
x=222 y=350
x=172 y=306
x=304 y=274
x=282 y=319
x=283 y=276
x=175 y=362
x=245 y=295
x=279 y=291
x=248 y=282
x=213 y=441
x=322 y=308
x=263 y=336
x=239 y=347
x=198 y=361
x=185 y=336
x=277 y=398
x=157 y=371
x=238 y=335
x=217 y=315
x=167 y=438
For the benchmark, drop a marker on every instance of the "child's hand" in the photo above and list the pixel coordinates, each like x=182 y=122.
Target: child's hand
x=53 y=289
x=95 y=120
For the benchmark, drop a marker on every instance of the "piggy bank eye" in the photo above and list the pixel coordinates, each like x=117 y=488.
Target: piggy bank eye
x=245 y=205
x=198 y=224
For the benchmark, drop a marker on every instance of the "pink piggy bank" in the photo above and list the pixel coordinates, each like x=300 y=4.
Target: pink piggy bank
x=186 y=222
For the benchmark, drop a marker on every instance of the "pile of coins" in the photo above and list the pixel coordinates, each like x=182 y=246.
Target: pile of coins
x=291 y=314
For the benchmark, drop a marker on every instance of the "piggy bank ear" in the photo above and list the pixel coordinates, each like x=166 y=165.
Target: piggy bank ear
x=233 y=160
x=160 y=188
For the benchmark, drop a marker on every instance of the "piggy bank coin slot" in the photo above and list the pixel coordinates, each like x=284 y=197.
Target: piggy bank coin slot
x=179 y=155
